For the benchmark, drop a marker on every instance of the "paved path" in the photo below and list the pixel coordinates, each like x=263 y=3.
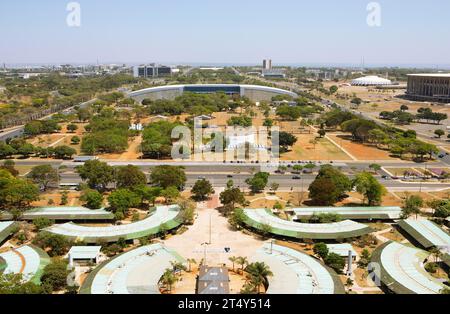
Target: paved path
x=210 y=223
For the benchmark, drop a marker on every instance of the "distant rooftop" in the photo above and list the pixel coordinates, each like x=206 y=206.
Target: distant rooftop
x=431 y=74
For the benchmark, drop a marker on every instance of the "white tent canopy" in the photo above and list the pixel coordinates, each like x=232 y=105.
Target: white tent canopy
x=371 y=81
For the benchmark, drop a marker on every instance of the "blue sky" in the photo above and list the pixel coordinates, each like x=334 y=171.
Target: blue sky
x=231 y=31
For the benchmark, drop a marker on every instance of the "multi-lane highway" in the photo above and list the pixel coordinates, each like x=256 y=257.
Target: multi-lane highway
x=285 y=181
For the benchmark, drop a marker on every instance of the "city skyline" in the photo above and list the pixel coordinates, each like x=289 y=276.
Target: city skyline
x=234 y=33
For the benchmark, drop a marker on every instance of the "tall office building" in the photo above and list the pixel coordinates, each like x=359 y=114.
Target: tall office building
x=267 y=64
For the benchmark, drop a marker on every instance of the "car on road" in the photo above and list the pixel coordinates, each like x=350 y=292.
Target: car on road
x=229 y=176
x=201 y=178
x=296 y=178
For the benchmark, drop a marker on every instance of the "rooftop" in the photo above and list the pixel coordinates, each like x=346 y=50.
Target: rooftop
x=352 y=212
x=27 y=260
x=427 y=233
x=295 y=272
x=63 y=213
x=341 y=249
x=151 y=225
x=402 y=269
x=135 y=272
x=256 y=218
x=431 y=75
x=213 y=280
x=84 y=252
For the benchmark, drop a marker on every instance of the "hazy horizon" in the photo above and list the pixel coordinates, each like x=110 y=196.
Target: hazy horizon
x=290 y=32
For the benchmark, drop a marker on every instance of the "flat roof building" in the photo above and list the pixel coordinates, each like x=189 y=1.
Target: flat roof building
x=213 y=280
x=253 y=92
x=342 y=250
x=357 y=213
x=296 y=272
x=258 y=218
x=429 y=87
x=371 y=81
x=84 y=253
x=151 y=71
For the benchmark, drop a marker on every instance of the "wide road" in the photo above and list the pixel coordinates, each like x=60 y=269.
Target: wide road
x=286 y=181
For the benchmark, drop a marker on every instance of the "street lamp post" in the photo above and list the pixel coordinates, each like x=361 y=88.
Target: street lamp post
x=204 y=252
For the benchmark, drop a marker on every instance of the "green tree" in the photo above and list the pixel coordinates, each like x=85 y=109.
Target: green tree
x=439 y=132
x=333 y=89
x=168 y=279
x=287 y=112
x=321 y=250
x=259 y=272
x=55 y=244
x=165 y=176
x=44 y=176
x=75 y=140
x=130 y=177
x=9 y=165
x=72 y=128
x=242 y=261
x=55 y=275
x=411 y=206
x=285 y=140
x=6 y=150
x=97 y=174
x=367 y=185
x=16 y=194
x=202 y=189
x=266 y=230
x=26 y=150
x=232 y=197
x=121 y=200
x=64 y=152
x=364 y=259
x=375 y=167
x=258 y=182
x=42 y=223
x=329 y=186
x=64 y=197
x=92 y=199
x=335 y=261
x=170 y=194
x=16 y=284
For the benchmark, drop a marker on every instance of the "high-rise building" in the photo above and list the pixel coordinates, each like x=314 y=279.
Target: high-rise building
x=267 y=64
